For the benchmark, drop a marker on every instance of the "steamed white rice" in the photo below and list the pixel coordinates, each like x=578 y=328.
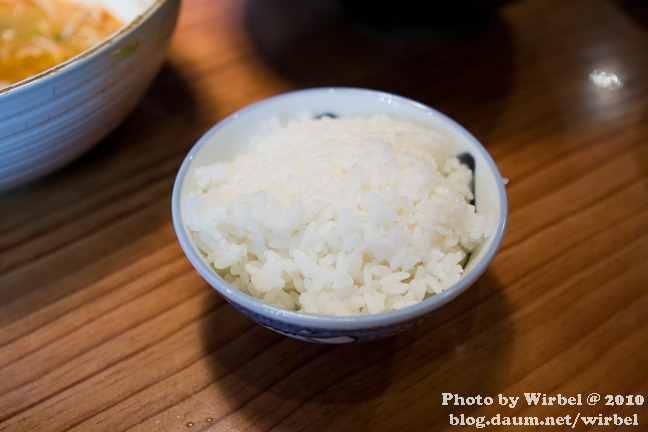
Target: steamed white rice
x=338 y=216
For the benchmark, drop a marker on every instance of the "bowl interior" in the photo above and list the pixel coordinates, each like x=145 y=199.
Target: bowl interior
x=124 y=10
x=230 y=137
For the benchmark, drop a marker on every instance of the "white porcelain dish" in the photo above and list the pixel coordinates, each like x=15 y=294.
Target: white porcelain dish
x=50 y=119
x=229 y=138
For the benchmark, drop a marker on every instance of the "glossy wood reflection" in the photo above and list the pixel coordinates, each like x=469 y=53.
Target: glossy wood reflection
x=104 y=324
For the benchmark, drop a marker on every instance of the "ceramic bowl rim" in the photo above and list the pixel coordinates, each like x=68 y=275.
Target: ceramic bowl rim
x=89 y=53
x=302 y=319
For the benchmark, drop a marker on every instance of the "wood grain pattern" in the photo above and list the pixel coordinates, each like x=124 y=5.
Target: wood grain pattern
x=105 y=326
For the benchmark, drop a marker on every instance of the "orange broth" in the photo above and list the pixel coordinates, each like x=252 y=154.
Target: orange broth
x=36 y=35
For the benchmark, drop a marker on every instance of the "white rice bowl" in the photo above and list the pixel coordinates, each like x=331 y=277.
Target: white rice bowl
x=340 y=216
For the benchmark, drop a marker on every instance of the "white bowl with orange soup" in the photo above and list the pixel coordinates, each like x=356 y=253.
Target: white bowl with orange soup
x=70 y=85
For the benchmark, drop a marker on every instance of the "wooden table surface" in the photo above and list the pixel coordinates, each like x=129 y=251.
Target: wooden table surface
x=105 y=326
